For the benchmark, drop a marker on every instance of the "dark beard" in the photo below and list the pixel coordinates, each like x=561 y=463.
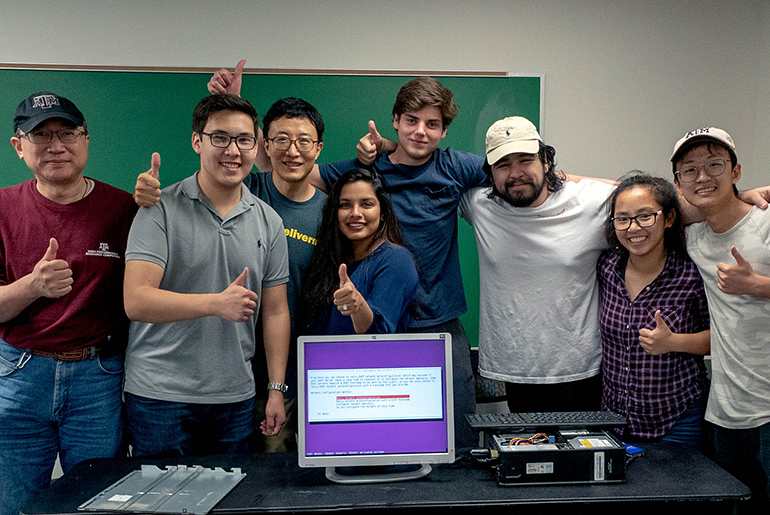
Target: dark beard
x=522 y=198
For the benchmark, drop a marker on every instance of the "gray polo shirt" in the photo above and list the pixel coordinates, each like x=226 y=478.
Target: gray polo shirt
x=207 y=360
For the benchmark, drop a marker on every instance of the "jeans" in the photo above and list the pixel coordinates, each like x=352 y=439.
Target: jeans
x=163 y=428
x=49 y=407
x=688 y=428
x=463 y=381
x=745 y=453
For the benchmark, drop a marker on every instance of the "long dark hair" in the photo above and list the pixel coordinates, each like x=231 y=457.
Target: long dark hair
x=554 y=179
x=321 y=277
x=665 y=194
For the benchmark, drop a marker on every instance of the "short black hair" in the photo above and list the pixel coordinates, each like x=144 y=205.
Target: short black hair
x=224 y=102
x=710 y=145
x=293 y=107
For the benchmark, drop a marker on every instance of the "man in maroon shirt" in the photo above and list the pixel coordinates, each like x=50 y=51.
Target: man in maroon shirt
x=62 y=324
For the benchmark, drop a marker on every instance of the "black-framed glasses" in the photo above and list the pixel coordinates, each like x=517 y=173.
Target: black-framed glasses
x=64 y=135
x=223 y=140
x=713 y=168
x=623 y=223
x=283 y=143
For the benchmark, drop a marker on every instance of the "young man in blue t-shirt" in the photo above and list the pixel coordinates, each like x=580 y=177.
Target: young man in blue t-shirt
x=426 y=184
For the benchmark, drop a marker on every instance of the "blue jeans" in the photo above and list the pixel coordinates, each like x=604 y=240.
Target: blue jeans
x=49 y=407
x=688 y=428
x=462 y=378
x=163 y=428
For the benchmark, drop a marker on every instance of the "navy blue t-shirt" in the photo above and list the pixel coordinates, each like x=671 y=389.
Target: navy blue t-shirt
x=300 y=222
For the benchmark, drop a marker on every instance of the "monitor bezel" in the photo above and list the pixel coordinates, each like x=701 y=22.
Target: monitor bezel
x=364 y=460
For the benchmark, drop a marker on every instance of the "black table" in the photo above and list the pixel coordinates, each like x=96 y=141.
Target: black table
x=669 y=479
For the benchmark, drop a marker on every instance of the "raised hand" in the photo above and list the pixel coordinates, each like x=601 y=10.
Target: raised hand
x=147 y=189
x=347 y=299
x=237 y=303
x=737 y=279
x=370 y=145
x=225 y=82
x=656 y=341
x=52 y=277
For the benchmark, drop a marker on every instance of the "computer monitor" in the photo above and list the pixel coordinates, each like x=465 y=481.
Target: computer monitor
x=382 y=400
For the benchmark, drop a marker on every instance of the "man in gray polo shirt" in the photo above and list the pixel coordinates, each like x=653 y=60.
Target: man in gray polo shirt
x=200 y=266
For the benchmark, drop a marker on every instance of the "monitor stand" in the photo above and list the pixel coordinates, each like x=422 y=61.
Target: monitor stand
x=376 y=474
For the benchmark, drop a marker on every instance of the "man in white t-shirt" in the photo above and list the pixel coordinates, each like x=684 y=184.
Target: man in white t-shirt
x=732 y=252
x=538 y=240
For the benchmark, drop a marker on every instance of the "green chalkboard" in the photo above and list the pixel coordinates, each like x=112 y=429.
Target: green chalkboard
x=132 y=114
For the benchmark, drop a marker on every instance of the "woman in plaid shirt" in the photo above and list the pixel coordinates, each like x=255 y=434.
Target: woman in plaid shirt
x=654 y=317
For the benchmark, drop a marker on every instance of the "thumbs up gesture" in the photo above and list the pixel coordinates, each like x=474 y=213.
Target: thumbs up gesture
x=656 y=341
x=737 y=279
x=52 y=277
x=225 y=82
x=237 y=303
x=370 y=145
x=147 y=189
x=347 y=299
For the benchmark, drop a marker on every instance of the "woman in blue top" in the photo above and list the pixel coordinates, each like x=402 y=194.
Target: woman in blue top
x=360 y=278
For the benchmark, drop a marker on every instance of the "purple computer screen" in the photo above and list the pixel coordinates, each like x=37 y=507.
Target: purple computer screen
x=421 y=430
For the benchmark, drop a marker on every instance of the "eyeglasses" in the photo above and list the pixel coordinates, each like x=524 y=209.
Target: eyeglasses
x=713 y=168
x=283 y=143
x=64 y=135
x=623 y=223
x=223 y=140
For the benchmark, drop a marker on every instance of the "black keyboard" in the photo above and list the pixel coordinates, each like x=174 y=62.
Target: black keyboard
x=556 y=419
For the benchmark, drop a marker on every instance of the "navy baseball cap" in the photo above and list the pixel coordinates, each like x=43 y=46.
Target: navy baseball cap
x=41 y=106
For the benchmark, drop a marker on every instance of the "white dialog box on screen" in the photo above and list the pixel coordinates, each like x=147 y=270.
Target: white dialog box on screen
x=373 y=395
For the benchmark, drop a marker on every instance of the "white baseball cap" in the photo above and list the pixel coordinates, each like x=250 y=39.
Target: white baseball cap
x=511 y=135
x=704 y=134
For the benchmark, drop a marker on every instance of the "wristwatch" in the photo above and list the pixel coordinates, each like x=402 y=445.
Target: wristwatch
x=283 y=388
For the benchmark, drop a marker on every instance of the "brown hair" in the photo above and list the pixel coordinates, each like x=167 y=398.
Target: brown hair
x=425 y=92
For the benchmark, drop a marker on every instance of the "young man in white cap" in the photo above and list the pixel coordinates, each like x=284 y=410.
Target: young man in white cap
x=62 y=325
x=732 y=252
x=538 y=239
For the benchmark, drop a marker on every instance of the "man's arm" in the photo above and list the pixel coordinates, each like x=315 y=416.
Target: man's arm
x=50 y=278
x=577 y=178
x=314 y=178
x=276 y=329
x=757 y=197
x=146 y=302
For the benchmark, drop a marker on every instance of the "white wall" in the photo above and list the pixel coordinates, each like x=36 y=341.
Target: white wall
x=624 y=78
